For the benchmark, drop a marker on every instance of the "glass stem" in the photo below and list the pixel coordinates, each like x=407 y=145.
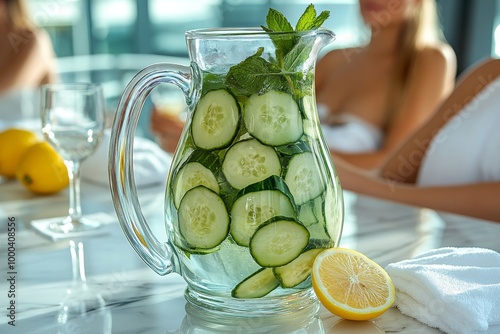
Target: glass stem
x=75 y=210
x=78 y=262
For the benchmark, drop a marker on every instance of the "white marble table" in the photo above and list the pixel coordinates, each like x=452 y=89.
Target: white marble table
x=127 y=297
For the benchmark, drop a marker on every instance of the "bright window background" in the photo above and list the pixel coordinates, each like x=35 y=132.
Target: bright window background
x=80 y=27
x=496 y=33
x=83 y=27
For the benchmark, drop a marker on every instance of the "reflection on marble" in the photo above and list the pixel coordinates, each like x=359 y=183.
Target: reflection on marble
x=129 y=298
x=82 y=309
x=198 y=321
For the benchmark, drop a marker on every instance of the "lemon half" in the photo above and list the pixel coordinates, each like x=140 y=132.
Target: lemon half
x=350 y=285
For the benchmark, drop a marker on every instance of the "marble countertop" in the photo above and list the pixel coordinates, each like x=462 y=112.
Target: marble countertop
x=122 y=295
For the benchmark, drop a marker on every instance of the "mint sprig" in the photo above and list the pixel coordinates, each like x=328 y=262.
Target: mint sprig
x=276 y=21
x=256 y=75
x=309 y=20
x=253 y=75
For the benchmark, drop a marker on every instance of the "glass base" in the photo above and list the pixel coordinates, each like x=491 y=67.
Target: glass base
x=63 y=228
x=198 y=320
x=221 y=308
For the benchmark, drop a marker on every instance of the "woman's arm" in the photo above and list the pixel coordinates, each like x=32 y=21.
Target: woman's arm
x=480 y=200
x=167 y=129
x=432 y=78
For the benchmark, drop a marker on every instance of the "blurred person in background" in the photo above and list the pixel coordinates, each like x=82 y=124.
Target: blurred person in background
x=27 y=58
x=452 y=163
x=373 y=97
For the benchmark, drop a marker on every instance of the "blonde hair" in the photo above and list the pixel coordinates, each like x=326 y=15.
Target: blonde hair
x=18 y=15
x=422 y=29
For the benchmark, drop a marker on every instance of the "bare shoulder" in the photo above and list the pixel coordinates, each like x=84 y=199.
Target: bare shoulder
x=28 y=43
x=435 y=57
x=44 y=41
x=337 y=57
x=438 y=51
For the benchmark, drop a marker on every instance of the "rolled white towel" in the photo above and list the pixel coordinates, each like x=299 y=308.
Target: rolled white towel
x=456 y=290
x=151 y=163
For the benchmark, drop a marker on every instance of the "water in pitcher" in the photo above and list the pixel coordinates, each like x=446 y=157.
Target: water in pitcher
x=265 y=169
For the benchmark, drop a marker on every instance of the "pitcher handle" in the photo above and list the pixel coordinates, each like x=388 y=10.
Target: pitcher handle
x=158 y=256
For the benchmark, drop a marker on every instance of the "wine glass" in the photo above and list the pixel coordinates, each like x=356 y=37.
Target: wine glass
x=73 y=123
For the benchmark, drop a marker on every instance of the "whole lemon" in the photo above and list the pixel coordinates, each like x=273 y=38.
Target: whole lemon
x=13 y=143
x=42 y=170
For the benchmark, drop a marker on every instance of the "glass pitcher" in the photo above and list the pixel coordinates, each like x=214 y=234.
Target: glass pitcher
x=252 y=195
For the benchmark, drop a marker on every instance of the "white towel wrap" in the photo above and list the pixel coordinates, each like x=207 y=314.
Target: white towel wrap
x=354 y=135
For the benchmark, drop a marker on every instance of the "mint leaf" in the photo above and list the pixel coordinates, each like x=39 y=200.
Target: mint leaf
x=309 y=20
x=276 y=21
x=297 y=56
x=212 y=81
x=306 y=20
x=321 y=19
x=254 y=75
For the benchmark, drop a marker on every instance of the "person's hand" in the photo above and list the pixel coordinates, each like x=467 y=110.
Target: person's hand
x=167 y=129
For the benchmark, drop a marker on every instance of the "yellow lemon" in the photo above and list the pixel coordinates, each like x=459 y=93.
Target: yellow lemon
x=350 y=285
x=42 y=170
x=13 y=143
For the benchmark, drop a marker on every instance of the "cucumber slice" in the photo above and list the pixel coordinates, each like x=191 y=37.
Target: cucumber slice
x=278 y=241
x=333 y=213
x=256 y=285
x=329 y=215
x=188 y=251
x=308 y=105
x=307 y=214
x=295 y=148
x=273 y=118
x=203 y=218
x=249 y=161
x=312 y=215
x=258 y=203
x=297 y=271
x=199 y=170
x=303 y=178
x=311 y=130
x=215 y=120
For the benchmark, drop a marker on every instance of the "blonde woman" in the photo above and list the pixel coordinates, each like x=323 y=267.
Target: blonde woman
x=27 y=58
x=373 y=97
x=452 y=163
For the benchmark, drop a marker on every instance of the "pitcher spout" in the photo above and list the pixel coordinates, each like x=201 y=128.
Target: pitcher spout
x=325 y=37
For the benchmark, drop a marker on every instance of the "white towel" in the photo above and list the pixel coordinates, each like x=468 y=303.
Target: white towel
x=456 y=290
x=151 y=163
x=355 y=135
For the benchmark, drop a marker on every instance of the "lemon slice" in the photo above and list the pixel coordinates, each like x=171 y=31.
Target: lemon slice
x=350 y=285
